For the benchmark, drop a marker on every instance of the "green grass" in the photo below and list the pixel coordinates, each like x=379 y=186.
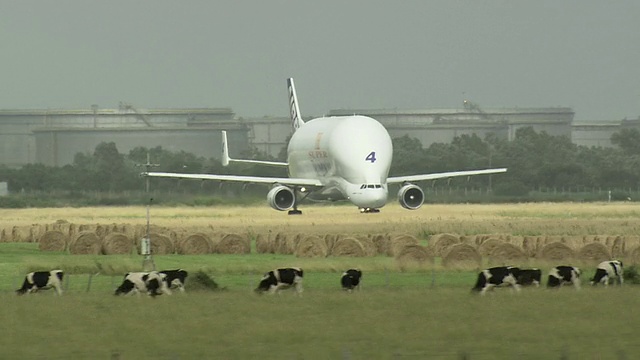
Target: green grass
x=400 y=312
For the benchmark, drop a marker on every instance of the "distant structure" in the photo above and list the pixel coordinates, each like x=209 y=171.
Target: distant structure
x=54 y=137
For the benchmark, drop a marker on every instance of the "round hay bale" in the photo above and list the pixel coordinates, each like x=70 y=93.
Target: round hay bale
x=529 y=245
x=160 y=244
x=573 y=241
x=634 y=256
x=53 y=240
x=556 y=251
x=631 y=242
x=462 y=256
x=195 y=244
x=441 y=242
x=370 y=248
x=22 y=234
x=400 y=241
x=117 y=243
x=348 y=246
x=85 y=243
x=382 y=243
x=516 y=241
x=234 y=244
x=264 y=245
x=507 y=252
x=487 y=246
x=415 y=253
x=281 y=244
x=594 y=252
x=311 y=246
x=619 y=248
x=330 y=240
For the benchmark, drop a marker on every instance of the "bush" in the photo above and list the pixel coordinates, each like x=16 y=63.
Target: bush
x=201 y=281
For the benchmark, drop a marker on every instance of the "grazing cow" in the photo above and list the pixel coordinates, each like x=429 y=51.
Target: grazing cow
x=282 y=278
x=608 y=270
x=564 y=275
x=530 y=277
x=37 y=280
x=153 y=283
x=351 y=279
x=175 y=278
x=497 y=276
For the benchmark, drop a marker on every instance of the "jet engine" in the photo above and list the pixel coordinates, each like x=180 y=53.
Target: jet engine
x=281 y=197
x=410 y=196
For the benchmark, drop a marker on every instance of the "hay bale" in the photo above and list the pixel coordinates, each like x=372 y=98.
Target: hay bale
x=160 y=244
x=53 y=240
x=348 y=246
x=399 y=242
x=594 y=252
x=234 y=244
x=330 y=240
x=117 y=243
x=382 y=243
x=530 y=246
x=488 y=245
x=507 y=252
x=311 y=246
x=634 y=256
x=264 y=245
x=370 y=248
x=462 y=256
x=441 y=242
x=619 y=248
x=281 y=244
x=415 y=253
x=195 y=244
x=22 y=234
x=85 y=243
x=556 y=251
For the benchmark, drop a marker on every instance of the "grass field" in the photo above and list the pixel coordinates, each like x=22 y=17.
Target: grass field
x=413 y=312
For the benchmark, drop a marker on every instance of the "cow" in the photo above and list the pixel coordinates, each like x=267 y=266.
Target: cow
x=497 y=276
x=153 y=283
x=608 y=270
x=351 y=279
x=175 y=278
x=563 y=275
x=281 y=278
x=530 y=277
x=37 y=280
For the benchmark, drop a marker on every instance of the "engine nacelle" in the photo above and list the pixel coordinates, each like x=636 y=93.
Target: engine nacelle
x=281 y=198
x=410 y=196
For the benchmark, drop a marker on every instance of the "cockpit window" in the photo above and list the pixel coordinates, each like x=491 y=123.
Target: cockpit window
x=378 y=186
x=370 y=186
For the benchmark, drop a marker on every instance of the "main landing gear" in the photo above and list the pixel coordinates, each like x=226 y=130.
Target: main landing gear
x=295 y=210
x=369 y=210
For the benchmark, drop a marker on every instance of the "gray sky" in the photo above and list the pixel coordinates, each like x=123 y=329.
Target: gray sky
x=343 y=54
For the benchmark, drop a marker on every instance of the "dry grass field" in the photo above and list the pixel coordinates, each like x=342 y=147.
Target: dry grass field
x=412 y=310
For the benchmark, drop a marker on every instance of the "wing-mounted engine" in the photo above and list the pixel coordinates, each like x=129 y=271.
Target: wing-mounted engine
x=410 y=196
x=281 y=197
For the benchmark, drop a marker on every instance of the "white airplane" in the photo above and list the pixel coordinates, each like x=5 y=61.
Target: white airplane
x=333 y=158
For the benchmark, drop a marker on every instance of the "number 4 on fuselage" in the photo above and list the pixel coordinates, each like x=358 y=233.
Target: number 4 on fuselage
x=327 y=161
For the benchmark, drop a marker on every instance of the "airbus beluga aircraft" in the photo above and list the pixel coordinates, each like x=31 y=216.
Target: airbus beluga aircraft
x=333 y=158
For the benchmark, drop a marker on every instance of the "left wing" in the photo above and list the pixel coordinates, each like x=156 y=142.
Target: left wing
x=239 y=178
x=422 y=177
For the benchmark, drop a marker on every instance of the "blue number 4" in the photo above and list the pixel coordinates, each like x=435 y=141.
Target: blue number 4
x=371 y=157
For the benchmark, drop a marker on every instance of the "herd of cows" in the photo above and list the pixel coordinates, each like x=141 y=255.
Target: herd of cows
x=156 y=283
x=161 y=282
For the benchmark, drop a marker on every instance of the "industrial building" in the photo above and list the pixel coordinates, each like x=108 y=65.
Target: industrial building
x=54 y=137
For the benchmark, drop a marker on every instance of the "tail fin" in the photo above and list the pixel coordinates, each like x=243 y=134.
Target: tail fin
x=225 y=149
x=296 y=118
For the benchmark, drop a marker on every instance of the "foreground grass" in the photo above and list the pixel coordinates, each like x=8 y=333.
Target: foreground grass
x=375 y=323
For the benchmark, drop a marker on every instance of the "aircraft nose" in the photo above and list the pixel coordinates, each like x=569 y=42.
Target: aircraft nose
x=371 y=198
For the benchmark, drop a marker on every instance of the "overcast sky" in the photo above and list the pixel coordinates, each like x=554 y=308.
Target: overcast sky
x=356 y=54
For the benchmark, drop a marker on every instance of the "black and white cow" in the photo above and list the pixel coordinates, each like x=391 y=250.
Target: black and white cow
x=153 y=283
x=608 y=270
x=564 y=275
x=497 y=276
x=175 y=278
x=37 y=280
x=282 y=278
x=351 y=279
x=530 y=277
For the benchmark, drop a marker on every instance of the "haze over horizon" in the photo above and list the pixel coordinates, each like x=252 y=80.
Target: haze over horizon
x=70 y=54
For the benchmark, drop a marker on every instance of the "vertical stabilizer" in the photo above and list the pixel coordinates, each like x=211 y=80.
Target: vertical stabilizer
x=296 y=118
x=225 y=149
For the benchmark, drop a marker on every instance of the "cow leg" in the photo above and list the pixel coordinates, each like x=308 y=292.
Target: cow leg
x=298 y=288
x=486 y=288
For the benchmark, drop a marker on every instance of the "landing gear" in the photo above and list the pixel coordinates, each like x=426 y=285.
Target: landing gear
x=369 y=210
x=295 y=210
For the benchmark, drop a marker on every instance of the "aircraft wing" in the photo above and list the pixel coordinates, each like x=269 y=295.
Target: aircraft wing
x=238 y=178
x=409 y=178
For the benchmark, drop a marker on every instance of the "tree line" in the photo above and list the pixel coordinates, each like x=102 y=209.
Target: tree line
x=534 y=160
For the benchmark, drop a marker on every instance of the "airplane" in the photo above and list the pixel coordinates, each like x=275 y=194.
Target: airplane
x=333 y=158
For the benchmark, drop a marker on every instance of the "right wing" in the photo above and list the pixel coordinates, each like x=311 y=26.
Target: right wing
x=407 y=178
x=239 y=178
x=226 y=159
